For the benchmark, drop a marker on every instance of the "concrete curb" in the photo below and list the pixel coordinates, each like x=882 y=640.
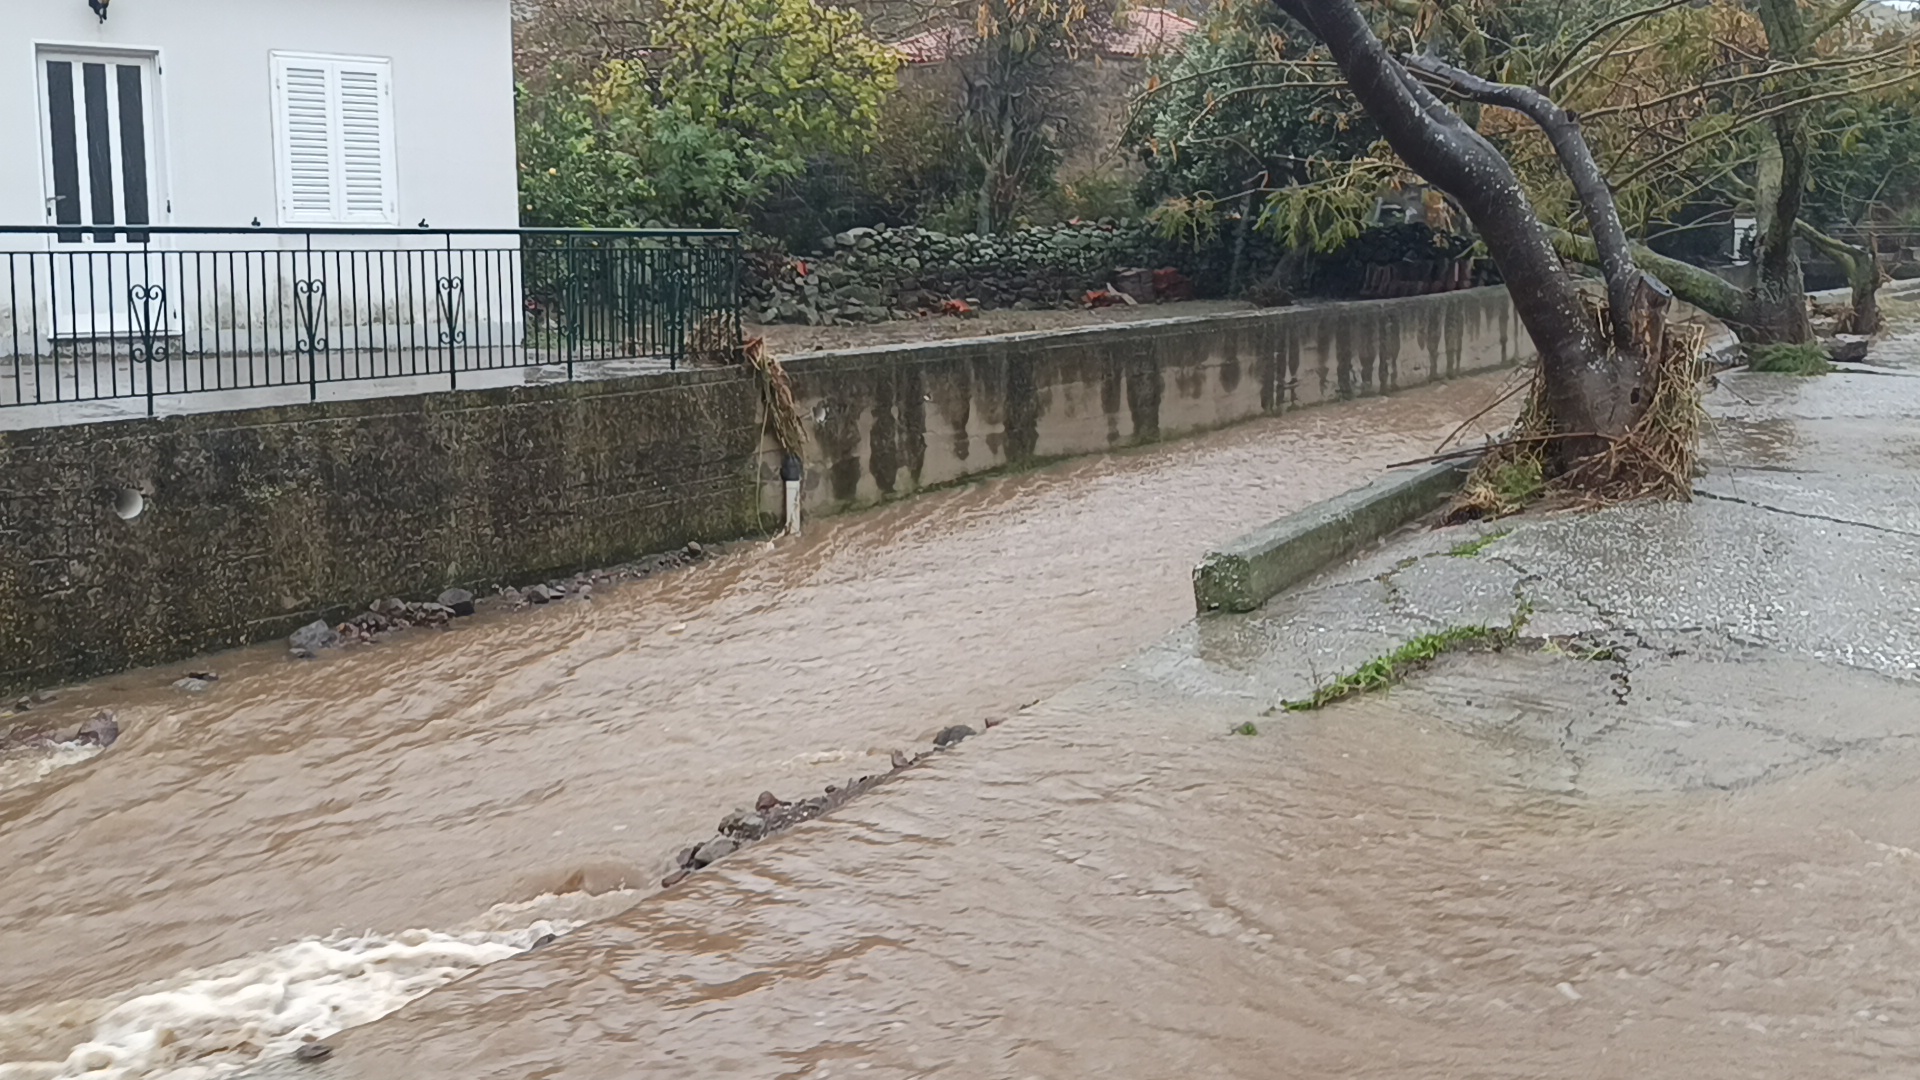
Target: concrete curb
x=1242 y=575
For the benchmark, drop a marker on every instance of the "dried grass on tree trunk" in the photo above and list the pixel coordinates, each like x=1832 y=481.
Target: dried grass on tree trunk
x=1654 y=459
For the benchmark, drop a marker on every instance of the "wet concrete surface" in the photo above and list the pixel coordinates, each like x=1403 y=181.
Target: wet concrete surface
x=1671 y=832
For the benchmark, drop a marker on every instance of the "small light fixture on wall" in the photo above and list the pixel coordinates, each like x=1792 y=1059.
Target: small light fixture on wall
x=99 y=8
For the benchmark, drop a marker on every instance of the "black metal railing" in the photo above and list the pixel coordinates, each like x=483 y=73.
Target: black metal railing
x=161 y=311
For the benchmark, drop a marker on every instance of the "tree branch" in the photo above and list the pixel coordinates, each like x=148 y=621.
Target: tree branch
x=1702 y=288
x=1576 y=159
x=1559 y=70
x=1833 y=18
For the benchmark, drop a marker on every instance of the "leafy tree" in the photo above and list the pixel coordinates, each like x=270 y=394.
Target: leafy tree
x=1219 y=128
x=727 y=98
x=1729 y=100
x=1024 y=71
x=1863 y=162
x=1683 y=102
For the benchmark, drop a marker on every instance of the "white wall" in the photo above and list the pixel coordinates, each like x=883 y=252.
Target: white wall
x=452 y=99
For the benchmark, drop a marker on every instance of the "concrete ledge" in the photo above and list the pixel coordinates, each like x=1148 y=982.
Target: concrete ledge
x=1243 y=574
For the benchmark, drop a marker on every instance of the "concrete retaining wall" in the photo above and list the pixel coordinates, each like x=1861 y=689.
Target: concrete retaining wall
x=892 y=420
x=257 y=521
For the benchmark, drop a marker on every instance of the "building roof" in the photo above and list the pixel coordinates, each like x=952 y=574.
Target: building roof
x=1141 y=32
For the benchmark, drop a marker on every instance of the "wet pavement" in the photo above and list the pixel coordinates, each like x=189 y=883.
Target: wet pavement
x=251 y=865
x=1670 y=832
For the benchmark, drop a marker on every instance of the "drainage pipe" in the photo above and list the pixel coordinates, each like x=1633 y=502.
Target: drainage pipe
x=790 y=476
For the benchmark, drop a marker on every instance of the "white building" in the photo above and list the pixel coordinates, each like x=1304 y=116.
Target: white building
x=288 y=112
x=323 y=136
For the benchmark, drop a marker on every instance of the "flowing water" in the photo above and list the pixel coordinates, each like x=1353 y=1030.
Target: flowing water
x=250 y=868
x=1114 y=885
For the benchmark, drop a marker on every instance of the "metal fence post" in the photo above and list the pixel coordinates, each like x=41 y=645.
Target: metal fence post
x=312 y=303
x=449 y=319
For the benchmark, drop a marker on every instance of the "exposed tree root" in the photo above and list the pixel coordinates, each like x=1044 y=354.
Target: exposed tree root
x=1653 y=459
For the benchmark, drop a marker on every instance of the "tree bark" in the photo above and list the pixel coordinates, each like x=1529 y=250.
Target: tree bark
x=1576 y=159
x=1777 y=310
x=1585 y=390
x=1777 y=302
x=1703 y=289
x=1863 y=276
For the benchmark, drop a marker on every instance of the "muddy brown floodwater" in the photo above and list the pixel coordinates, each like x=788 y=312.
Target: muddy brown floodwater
x=237 y=849
x=1112 y=885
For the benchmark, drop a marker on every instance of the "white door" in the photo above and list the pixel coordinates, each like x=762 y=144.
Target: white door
x=98 y=145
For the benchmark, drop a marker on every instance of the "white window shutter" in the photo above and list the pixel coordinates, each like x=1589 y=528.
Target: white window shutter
x=306 y=142
x=366 y=143
x=334 y=130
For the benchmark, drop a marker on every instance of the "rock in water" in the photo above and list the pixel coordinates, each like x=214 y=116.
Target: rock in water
x=313 y=637
x=458 y=601
x=539 y=594
x=312 y=1052
x=100 y=730
x=1847 y=348
x=714 y=850
x=950 y=736
x=694 y=549
x=745 y=824
x=192 y=685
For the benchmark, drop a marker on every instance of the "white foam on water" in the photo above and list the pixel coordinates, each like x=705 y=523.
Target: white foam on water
x=32 y=764
x=214 y=1021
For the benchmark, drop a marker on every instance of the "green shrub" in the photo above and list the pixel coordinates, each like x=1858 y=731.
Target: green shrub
x=1806 y=359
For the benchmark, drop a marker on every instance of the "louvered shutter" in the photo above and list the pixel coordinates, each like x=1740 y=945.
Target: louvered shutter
x=366 y=158
x=335 y=138
x=306 y=141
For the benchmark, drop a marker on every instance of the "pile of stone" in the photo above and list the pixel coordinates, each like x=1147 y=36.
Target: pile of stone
x=772 y=814
x=391 y=613
x=876 y=274
x=581 y=586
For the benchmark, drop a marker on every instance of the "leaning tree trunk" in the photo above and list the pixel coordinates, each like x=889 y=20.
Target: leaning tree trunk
x=1862 y=267
x=1777 y=302
x=1777 y=309
x=1594 y=388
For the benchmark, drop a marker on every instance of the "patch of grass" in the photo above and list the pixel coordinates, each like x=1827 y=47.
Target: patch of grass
x=1245 y=729
x=1806 y=359
x=1383 y=671
x=1467 y=549
x=1519 y=481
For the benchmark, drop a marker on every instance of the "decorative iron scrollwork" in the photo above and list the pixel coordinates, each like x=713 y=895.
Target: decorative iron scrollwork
x=452 y=290
x=311 y=294
x=149 y=308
